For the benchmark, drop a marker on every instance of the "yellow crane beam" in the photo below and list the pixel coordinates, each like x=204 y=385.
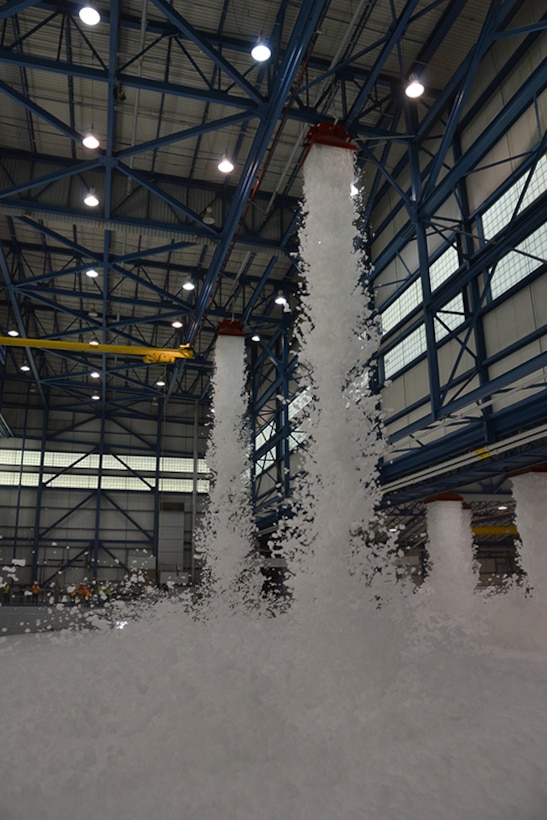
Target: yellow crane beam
x=509 y=529
x=152 y=355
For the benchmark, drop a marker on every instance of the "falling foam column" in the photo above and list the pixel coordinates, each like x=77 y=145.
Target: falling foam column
x=225 y=537
x=530 y=494
x=452 y=578
x=339 y=491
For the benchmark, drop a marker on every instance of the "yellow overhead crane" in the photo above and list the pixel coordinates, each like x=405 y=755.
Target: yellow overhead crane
x=151 y=355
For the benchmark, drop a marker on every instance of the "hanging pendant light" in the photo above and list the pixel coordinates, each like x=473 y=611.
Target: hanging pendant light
x=89 y=15
x=90 y=141
x=209 y=218
x=226 y=166
x=261 y=52
x=90 y=199
x=414 y=87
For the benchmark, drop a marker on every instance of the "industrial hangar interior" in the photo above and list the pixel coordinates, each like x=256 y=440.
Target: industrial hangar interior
x=103 y=450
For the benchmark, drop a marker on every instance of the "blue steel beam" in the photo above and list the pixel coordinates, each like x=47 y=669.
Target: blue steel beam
x=302 y=33
x=219 y=41
x=258 y=290
x=98 y=259
x=175 y=228
x=47 y=179
x=478 y=395
x=111 y=120
x=442 y=104
x=15 y=6
x=173 y=202
x=177 y=90
x=187 y=133
x=203 y=44
x=469 y=441
x=216 y=190
x=14 y=305
x=127 y=80
x=40 y=292
x=521 y=100
x=490 y=254
x=531 y=28
x=339 y=69
x=435 y=113
x=472 y=64
x=396 y=31
x=489 y=468
x=39 y=111
x=380 y=165
x=393 y=112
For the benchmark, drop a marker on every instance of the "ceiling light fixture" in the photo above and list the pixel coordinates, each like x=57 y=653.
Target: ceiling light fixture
x=188 y=284
x=414 y=87
x=94 y=342
x=13 y=333
x=226 y=166
x=261 y=52
x=255 y=337
x=209 y=219
x=280 y=299
x=89 y=15
x=92 y=273
x=177 y=324
x=95 y=397
x=90 y=141
x=90 y=199
x=160 y=383
x=25 y=368
x=95 y=374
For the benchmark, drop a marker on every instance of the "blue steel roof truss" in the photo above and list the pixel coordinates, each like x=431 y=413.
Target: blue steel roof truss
x=151 y=216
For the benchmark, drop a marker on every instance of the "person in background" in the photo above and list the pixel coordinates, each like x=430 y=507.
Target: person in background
x=35 y=588
x=6 y=594
x=84 y=594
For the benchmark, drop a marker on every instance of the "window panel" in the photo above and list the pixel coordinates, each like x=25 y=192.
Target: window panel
x=300 y=401
x=443 y=267
x=402 y=306
x=408 y=349
x=74 y=479
x=538 y=184
x=500 y=213
x=449 y=317
x=15 y=479
x=514 y=266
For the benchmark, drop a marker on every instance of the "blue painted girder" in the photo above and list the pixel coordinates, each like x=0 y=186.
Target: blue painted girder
x=203 y=44
x=530 y=89
x=302 y=35
x=14 y=6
